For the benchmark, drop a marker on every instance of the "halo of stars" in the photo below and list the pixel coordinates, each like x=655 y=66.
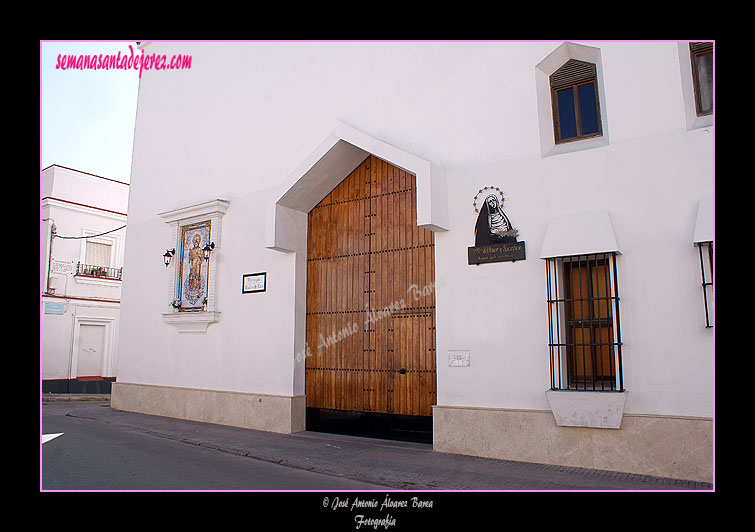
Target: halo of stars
x=481 y=191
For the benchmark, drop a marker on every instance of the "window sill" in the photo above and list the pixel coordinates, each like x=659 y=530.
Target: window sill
x=574 y=145
x=191 y=322
x=699 y=121
x=602 y=410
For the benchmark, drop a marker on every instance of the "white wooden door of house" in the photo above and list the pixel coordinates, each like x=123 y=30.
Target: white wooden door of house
x=90 y=351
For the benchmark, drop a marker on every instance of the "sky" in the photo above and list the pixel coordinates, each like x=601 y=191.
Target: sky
x=87 y=116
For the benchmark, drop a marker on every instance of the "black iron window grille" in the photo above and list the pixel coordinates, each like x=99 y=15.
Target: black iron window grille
x=583 y=313
x=706 y=248
x=101 y=272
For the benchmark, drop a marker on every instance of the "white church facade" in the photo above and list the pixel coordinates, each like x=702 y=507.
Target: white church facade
x=506 y=244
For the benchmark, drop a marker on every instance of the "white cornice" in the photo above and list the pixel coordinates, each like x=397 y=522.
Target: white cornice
x=580 y=233
x=704 y=224
x=98 y=211
x=209 y=208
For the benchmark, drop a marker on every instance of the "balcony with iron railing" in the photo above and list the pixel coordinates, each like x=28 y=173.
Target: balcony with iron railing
x=98 y=272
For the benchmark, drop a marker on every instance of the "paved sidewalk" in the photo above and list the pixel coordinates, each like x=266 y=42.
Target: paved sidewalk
x=396 y=465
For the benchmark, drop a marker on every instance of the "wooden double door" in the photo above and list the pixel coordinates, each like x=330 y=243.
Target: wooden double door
x=370 y=297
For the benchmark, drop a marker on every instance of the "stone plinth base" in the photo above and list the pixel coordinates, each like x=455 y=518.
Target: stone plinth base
x=672 y=447
x=272 y=413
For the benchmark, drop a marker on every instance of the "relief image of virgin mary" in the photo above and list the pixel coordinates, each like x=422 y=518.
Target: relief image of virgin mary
x=493 y=226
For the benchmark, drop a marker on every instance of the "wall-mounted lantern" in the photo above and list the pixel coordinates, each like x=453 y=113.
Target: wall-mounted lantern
x=168 y=255
x=207 y=250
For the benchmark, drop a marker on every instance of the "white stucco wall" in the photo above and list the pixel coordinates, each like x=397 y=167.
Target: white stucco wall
x=245 y=116
x=650 y=189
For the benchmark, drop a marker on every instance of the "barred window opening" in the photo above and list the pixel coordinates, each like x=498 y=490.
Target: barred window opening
x=583 y=310
x=706 y=270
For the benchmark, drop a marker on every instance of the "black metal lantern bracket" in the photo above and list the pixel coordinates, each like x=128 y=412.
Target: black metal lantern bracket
x=207 y=250
x=168 y=255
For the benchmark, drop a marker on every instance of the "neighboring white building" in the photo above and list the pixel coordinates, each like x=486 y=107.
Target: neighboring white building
x=343 y=184
x=81 y=260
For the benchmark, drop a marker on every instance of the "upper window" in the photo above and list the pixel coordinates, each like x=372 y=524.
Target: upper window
x=571 y=100
x=98 y=254
x=701 y=54
x=98 y=259
x=576 y=107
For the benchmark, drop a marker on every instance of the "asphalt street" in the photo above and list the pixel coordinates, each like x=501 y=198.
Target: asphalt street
x=89 y=455
x=105 y=449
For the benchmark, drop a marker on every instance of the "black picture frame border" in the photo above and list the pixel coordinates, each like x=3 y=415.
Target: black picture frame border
x=243 y=282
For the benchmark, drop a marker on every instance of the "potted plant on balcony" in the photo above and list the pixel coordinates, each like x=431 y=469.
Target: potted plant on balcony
x=176 y=304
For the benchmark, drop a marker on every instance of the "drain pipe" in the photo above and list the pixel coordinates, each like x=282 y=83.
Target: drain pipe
x=53 y=232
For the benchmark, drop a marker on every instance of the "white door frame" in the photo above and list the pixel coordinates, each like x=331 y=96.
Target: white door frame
x=107 y=354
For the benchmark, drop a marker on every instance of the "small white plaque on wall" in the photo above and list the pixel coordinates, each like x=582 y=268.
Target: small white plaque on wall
x=61 y=266
x=458 y=358
x=254 y=282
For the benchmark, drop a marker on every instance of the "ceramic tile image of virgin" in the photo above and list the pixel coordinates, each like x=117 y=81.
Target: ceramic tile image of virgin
x=193 y=274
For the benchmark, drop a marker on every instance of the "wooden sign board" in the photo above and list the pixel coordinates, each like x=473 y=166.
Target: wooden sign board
x=508 y=252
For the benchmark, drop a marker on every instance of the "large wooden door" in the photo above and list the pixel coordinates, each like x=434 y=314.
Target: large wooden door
x=370 y=297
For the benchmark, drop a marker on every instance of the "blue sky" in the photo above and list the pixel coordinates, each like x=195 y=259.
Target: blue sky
x=87 y=116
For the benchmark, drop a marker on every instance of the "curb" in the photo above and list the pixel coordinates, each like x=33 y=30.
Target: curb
x=75 y=397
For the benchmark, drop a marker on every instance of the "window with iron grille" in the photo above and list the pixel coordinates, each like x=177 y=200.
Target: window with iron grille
x=701 y=54
x=583 y=310
x=706 y=270
x=576 y=106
